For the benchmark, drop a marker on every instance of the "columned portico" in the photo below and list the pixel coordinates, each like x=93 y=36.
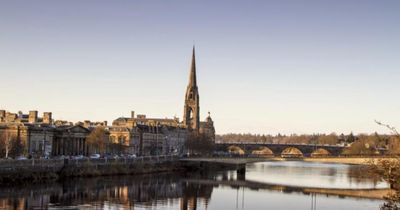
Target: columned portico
x=70 y=141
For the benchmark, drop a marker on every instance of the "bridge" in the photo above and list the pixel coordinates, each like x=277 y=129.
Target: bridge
x=285 y=150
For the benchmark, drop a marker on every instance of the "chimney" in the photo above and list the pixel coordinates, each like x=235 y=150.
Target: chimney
x=33 y=116
x=47 y=118
x=132 y=114
x=11 y=117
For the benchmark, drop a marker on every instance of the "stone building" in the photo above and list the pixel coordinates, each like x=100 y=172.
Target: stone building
x=175 y=139
x=207 y=128
x=160 y=140
x=12 y=132
x=32 y=117
x=148 y=136
x=40 y=137
x=35 y=133
x=141 y=119
x=124 y=139
x=37 y=140
x=70 y=140
x=191 y=115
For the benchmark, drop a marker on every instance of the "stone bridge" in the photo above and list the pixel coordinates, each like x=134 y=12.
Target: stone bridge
x=284 y=150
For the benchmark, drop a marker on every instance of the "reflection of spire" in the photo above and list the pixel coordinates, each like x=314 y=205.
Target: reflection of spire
x=184 y=203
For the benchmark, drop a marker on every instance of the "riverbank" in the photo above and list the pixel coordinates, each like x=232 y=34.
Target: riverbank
x=37 y=171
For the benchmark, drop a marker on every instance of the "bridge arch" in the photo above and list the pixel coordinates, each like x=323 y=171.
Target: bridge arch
x=291 y=152
x=236 y=150
x=263 y=151
x=320 y=152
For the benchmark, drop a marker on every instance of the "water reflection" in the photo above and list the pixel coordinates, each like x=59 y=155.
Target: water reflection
x=205 y=190
x=102 y=192
x=319 y=175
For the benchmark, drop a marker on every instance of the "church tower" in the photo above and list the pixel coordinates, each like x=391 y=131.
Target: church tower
x=191 y=115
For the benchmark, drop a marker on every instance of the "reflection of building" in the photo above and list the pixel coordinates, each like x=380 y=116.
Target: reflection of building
x=125 y=192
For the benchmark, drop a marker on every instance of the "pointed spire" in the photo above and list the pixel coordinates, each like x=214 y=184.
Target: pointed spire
x=192 y=79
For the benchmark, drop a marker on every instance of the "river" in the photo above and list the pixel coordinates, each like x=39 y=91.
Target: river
x=266 y=185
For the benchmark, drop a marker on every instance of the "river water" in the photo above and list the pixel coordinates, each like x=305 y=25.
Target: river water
x=266 y=185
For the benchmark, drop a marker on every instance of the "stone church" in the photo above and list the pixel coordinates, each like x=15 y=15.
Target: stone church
x=191 y=115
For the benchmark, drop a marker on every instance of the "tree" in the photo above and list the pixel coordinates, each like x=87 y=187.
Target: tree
x=389 y=170
x=199 y=144
x=350 y=139
x=331 y=139
x=10 y=144
x=17 y=147
x=97 y=140
x=6 y=139
x=364 y=145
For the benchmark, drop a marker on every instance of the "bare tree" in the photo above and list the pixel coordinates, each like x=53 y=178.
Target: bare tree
x=389 y=170
x=393 y=129
x=6 y=142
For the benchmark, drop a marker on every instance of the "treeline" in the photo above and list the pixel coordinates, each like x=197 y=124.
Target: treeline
x=358 y=144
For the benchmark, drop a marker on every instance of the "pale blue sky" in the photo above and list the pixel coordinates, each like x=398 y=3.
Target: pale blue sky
x=263 y=66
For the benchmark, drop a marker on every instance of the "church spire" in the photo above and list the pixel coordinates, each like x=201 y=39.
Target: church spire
x=191 y=114
x=193 y=79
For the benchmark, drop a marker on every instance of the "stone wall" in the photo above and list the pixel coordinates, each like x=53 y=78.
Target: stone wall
x=41 y=170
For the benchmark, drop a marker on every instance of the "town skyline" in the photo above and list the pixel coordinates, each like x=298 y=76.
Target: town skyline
x=268 y=68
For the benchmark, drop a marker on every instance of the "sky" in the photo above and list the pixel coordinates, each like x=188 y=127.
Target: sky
x=284 y=66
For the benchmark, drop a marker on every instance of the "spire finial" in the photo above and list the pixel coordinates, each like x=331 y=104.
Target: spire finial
x=192 y=79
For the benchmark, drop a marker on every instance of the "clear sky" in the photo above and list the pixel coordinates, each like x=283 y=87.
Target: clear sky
x=263 y=66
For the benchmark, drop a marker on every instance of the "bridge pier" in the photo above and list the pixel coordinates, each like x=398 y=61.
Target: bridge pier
x=241 y=173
